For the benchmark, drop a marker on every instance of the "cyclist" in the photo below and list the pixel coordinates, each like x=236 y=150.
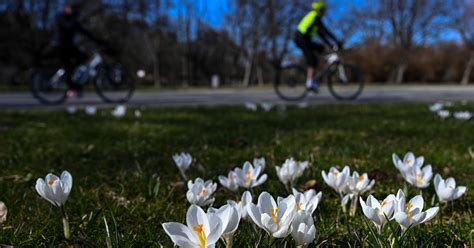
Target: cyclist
x=310 y=26
x=67 y=26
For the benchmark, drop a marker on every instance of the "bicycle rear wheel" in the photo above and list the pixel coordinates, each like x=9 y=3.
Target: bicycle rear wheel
x=113 y=84
x=48 y=86
x=291 y=84
x=345 y=82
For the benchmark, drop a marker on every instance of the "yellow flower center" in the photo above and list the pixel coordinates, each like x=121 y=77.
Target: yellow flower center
x=418 y=178
x=451 y=186
x=408 y=162
x=51 y=182
x=359 y=178
x=408 y=207
x=248 y=176
x=274 y=213
x=336 y=173
x=299 y=205
x=201 y=235
x=382 y=203
x=204 y=192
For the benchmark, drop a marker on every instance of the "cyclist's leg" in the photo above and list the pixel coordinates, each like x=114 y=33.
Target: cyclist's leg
x=66 y=60
x=317 y=49
x=305 y=44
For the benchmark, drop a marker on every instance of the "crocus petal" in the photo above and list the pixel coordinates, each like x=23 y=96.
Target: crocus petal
x=216 y=230
x=417 y=202
x=254 y=213
x=261 y=180
x=436 y=181
x=402 y=219
x=266 y=202
x=430 y=213
x=459 y=192
x=180 y=234
x=196 y=216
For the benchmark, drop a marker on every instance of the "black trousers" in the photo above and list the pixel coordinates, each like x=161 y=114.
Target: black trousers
x=311 y=50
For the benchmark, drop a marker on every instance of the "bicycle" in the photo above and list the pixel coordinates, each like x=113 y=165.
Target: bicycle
x=345 y=81
x=111 y=82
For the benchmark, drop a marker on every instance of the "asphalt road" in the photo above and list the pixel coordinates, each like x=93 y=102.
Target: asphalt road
x=210 y=97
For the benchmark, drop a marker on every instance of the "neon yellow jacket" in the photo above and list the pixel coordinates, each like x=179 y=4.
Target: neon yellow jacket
x=307 y=25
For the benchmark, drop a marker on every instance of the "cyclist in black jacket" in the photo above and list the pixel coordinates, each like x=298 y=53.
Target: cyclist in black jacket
x=310 y=26
x=67 y=27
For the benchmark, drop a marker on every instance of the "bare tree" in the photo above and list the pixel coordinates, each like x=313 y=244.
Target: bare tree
x=281 y=17
x=409 y=23
x=463 y=22
x=247 y=27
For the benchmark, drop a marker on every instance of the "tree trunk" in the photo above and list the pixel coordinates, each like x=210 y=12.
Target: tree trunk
x=400 y=74
x=260 y=75
x=248 y=72
x=467 y=72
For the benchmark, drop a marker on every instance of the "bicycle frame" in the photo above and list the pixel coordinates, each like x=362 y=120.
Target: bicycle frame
x=89 y=72
x=332 y=59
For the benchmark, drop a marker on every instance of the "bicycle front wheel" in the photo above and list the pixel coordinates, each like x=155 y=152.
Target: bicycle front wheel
x=48 y=86
x=345 y=82
x=113 y=84
x=291 y=83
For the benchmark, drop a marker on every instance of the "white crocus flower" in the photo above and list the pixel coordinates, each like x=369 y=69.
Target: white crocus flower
x=56 y=190
x=420 y=177
x=436 y=107
x=411 y=214
x=229 y=182
x=443 y=114
x=72 y=109
x=307 y=201
x=259 y=162
x=446 y=189
x=230 y=215
x=337 y=179
x=251 y=106
x=290 y=171
x=463 y=115
x=379 y=212
x=303 y=230
x=275 y=218
x=244 y=203
x=119 y=111
x=137 y=113
x=248 y=176
x=91 y=110
x=200 y=192
x=3 y=212
x=357 y=185
x=200 y=231
x=183 y=162
x=407 y=166
x=267 y=106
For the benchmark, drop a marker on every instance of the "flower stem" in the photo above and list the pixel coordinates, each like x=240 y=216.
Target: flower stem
x=355 y=200
x=67 y=231
x=286 y=187
x=228 y=241
x=183 y=176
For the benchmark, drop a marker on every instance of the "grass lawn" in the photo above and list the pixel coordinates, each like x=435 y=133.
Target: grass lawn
x=118 y=165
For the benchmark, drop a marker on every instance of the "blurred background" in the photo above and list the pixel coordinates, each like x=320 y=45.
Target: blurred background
x=183 y=43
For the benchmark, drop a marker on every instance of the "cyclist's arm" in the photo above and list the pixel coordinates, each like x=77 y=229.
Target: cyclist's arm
x=327 y=36
x=88 y=34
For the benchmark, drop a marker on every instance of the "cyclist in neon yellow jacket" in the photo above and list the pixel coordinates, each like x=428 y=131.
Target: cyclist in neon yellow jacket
x=310 y=26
